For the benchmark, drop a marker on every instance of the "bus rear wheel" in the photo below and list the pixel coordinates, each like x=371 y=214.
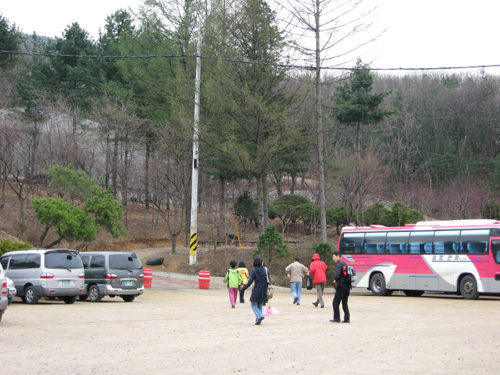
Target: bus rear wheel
x=468 y=287
x=377 y=286
x=413 y=293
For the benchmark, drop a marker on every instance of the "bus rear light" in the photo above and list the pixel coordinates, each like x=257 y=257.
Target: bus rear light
x=111 y=276
x=46 y=276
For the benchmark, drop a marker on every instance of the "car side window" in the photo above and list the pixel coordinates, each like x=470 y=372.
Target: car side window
x=17 y=262
x=85 y=261
x=32 y=261
x=4 y=262
x=97 y=261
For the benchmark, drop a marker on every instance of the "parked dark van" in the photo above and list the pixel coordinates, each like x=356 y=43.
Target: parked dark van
x=109 y=273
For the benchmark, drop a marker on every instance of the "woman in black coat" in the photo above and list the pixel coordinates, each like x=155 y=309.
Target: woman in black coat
x=259 y=275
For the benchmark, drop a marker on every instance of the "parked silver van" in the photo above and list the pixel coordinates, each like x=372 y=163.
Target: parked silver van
x=4 y=292
x=113 y=274
x=46 y=273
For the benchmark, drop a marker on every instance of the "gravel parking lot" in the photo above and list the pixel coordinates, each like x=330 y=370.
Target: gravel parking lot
x=186 y=330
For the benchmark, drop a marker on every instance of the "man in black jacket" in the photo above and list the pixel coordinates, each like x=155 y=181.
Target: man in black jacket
x=342 y=290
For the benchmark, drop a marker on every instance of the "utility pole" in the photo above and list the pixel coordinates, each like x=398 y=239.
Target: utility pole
x=193 y=240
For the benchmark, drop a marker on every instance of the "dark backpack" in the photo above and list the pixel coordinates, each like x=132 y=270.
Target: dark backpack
x=348 y=274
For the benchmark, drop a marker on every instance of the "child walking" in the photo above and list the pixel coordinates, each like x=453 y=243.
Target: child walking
x=233 y=280
x=242 y=269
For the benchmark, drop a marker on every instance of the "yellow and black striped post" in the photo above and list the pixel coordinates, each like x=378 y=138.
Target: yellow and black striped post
x=193 y=243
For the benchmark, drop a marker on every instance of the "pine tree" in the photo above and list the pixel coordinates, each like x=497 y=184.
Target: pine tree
x=356 y=104
x=271 y=245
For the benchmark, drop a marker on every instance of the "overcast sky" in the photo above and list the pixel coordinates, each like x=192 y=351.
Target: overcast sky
x=420 y=34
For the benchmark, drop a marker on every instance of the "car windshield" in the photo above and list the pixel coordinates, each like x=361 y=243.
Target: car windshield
x=63 y=259
x=124 y=262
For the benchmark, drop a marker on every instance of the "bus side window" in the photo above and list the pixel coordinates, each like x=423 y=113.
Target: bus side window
x=439 y=247
x=444 y=247
x=428 y=248
x=370 y=248
x=448 y=247
x=404 y=248
x=375 y=242
x=464 y=248
x=414 y=248
x=475 y=241
x=495 y=248
x=394 y=248
x=352 y=243
x=476 y=247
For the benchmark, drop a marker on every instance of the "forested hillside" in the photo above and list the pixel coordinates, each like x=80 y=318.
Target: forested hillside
x=279 y=143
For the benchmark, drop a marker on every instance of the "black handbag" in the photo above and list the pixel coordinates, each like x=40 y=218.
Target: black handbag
x=309 y=283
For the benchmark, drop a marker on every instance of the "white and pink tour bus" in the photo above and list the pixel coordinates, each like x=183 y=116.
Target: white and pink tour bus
x=457 y=256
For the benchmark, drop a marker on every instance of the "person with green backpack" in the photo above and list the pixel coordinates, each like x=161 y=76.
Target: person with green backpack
x=233 y=280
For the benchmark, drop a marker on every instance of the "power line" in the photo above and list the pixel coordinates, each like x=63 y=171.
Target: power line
x=291 y=66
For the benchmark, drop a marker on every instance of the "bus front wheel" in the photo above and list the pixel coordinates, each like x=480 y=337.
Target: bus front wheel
x=468 y=287
x=377 y=286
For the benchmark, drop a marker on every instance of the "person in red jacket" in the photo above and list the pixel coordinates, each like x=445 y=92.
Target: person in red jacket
x=317 y=269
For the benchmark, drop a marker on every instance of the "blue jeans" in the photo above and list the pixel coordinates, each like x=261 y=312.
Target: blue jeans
x=296 y=288
x=257 y=309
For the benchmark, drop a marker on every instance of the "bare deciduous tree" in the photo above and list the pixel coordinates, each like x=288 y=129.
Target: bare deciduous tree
x=17 y=145
x=168 y=194
x=331 y=24
x=120 y=127
x=357 y=183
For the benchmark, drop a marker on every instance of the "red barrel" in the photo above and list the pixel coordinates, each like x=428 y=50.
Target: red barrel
x=148 y=278
x=204 y=279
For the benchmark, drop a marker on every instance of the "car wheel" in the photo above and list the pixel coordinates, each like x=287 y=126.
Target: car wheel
x=128 y=298
x=94 y=294
x=30 y=296
x=9 y=301
x=1 y=314
x=69 y=300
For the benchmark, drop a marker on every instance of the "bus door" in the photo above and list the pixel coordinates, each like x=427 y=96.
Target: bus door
x=495 y=264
